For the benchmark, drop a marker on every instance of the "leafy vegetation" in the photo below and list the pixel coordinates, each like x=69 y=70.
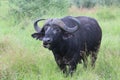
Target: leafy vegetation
x=93 y=3
x=23 y=58
x=40 y=8
x=37 y=8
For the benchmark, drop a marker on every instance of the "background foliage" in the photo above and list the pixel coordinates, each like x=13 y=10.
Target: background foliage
x=36 y=8
x=24 y=58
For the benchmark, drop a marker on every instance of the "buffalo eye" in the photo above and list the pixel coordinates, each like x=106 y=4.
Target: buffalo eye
x=56 y=30
x=45 y=28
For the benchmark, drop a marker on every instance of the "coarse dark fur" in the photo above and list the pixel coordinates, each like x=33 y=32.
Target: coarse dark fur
x=69 y=49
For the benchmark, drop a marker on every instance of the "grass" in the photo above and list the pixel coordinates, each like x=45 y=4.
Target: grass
x=23 y=58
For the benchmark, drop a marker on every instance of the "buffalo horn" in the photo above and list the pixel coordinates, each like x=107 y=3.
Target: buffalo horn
x=37 y=28
x=62 y=25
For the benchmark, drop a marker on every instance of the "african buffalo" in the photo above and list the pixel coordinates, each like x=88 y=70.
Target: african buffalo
x=71 y=39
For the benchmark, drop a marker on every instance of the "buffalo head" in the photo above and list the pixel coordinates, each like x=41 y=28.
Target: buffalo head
x=54 y=30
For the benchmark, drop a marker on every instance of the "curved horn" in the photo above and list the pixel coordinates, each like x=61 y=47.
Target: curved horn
x=37 y=28
x=62 y=25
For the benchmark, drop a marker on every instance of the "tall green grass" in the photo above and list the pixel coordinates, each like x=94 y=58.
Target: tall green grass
x=23 y=58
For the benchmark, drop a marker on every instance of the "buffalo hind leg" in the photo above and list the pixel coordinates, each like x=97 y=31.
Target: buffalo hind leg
x=93 y=58
x=84 y=58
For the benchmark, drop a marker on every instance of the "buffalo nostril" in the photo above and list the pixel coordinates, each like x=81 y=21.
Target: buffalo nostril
x=47 y=40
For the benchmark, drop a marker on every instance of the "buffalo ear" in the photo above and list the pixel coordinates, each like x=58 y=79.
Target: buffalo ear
x=38 y=36
x=67 y=35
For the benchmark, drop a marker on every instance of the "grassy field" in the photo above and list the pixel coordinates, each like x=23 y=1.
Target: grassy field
x=24 y=58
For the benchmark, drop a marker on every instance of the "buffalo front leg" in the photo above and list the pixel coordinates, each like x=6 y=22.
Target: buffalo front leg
x=60 y=63
x=62 y=66
x=73 y=64
x=72 y=67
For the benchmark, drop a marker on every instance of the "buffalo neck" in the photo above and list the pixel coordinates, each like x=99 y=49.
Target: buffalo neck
x=60 y=47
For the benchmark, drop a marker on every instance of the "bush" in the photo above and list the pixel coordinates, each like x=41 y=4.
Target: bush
x=108 y=2
x=84 y=3
x=93 y=3
x=37 y=8
x=88 y=3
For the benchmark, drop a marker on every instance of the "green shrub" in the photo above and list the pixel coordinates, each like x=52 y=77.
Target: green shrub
x=37 y=8
x=84 y=3
x=93 y=3
x=108 y=2
x=88 y=3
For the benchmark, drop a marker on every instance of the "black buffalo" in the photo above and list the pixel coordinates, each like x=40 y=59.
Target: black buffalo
x=71 y=39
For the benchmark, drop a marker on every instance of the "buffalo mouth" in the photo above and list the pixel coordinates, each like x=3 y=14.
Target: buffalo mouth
x=46 y=45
